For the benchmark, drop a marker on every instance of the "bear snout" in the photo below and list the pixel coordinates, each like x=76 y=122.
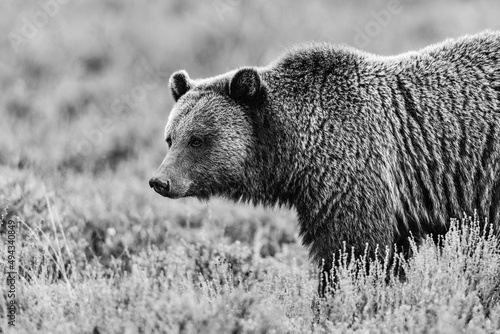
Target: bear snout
x=161 y=187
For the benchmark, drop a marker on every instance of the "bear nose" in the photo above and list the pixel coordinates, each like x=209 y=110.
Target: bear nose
x=161 y=187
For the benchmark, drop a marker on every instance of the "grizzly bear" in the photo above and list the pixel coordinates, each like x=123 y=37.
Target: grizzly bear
x=368 y=149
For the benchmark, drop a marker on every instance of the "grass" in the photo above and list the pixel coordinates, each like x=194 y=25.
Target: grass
x=82 y=111
x=224 y=287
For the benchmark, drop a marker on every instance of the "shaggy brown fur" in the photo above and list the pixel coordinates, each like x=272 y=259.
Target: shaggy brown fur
x=368 y=149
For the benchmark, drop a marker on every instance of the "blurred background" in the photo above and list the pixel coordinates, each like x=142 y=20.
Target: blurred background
x=84 y=100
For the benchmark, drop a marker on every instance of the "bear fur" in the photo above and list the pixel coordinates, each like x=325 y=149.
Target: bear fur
x=368 y=149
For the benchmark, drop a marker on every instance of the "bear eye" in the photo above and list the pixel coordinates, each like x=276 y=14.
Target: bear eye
x=169 y=141
x=195 y=142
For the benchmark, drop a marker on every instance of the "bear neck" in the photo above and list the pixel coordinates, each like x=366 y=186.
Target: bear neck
x=284 y=164
x=269 y=174
x=296 y=122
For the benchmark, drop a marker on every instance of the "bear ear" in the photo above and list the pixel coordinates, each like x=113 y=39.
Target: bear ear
x=245 y=85
x=179 y=84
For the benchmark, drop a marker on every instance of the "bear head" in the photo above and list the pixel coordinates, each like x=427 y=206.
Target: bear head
x=210 y=134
